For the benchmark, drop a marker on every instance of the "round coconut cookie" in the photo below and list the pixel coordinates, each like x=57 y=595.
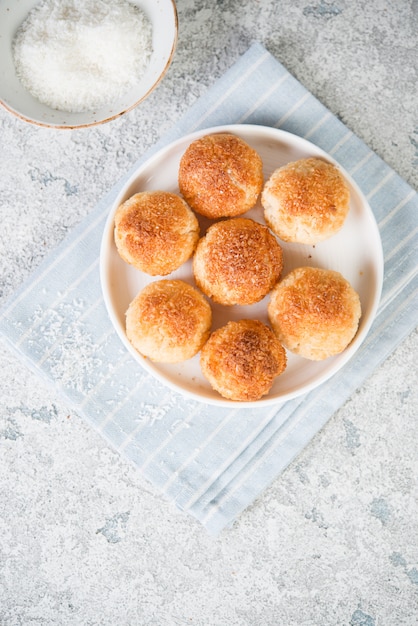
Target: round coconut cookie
x=168 y=321
x=220 y=175
x=156 y=232
x=314 y=312
x=306 y=201
x=242 y=359
x=238 y=261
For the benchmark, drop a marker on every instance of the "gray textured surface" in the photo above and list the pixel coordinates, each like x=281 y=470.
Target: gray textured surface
x=83 y=540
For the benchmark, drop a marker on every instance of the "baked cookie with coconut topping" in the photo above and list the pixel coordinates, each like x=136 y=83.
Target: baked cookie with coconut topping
x=220 y=175
x=168 y=321
x=241 y=360
x=314 y=312
x=238 y=261
x=306 y=201
x=156 y=232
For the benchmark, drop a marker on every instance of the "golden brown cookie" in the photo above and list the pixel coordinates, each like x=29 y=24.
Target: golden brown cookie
x=220 y=175
x=242 y=359
x=314 y=312
x=168 y=321
x=238 y=261
x=156 y=232
x=306 y=201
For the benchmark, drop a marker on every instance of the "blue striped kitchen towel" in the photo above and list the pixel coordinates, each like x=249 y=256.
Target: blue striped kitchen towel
x=209 y=461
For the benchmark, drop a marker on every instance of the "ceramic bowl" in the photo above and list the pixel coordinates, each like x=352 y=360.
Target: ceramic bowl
x=16 y=99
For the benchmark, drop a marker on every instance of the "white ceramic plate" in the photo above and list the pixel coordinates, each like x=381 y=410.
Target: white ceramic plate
x=16 y=99
x=355 y=252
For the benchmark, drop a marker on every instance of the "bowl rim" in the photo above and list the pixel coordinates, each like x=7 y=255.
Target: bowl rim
x=109 y=118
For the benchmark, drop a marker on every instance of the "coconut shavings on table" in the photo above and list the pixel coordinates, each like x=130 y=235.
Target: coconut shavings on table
x=81 y=55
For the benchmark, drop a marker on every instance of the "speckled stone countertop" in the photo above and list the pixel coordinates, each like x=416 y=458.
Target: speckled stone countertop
x=84 y=540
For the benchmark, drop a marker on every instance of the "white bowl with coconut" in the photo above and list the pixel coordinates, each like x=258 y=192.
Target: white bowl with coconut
x=77 y=63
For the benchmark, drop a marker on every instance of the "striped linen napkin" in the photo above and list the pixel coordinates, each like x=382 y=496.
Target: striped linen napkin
x=210 y=462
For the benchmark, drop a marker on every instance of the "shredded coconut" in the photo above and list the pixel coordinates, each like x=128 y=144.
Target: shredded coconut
x=81 y=55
